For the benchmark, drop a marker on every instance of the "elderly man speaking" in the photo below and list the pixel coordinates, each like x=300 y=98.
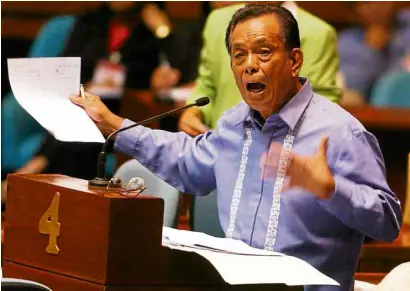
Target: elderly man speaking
x=295 y=173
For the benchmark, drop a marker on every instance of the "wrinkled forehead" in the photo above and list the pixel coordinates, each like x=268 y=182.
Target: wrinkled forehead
x=265 y=26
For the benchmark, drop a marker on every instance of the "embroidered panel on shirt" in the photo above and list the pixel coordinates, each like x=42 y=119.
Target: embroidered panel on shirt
x=239 y=181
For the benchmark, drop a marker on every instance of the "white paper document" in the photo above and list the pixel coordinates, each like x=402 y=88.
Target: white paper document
x=238 y=264
x=203 y=241
x=42 y=86
x=363 y=286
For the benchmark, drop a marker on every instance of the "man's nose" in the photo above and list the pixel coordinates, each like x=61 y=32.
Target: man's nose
x=251 y=65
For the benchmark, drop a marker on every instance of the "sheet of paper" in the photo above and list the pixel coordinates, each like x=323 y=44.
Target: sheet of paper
x=265 y=269
x=239 y=269
x=42 y=86
x=204 y=241
x=363 y=286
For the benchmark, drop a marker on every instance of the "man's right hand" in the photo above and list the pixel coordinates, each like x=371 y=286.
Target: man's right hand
x=105 y=120
x=191 y=122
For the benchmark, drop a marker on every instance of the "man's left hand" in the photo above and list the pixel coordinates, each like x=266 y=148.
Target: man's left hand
x=311 y=173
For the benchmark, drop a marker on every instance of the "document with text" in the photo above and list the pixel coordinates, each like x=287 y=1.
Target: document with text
x=42 y=86
x=239 y=263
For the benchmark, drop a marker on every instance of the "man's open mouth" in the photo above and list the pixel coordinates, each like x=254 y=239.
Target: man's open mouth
x=255 y=87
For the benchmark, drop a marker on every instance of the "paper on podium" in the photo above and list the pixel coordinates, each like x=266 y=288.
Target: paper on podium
x=42 y=86
x=363 y=286
x=203 y=241
x=245 y=265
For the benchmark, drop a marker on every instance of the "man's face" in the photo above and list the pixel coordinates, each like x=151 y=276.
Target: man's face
x=264 y=71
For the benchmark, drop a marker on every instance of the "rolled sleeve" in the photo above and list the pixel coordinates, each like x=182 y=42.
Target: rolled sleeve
x=362 y=198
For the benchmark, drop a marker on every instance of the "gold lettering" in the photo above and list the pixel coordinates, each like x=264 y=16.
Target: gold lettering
x=49 y=224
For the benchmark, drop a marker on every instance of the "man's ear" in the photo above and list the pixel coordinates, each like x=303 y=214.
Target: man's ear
x=296 y=56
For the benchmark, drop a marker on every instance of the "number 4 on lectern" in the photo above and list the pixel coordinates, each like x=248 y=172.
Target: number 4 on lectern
x=49 y=224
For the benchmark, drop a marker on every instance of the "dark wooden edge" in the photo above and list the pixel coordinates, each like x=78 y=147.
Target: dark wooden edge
x=52 y=280
x=379 y=253
x=388 y=118
x=58 y=282
x=19 y=27
x=46 y=8
x=373 y=278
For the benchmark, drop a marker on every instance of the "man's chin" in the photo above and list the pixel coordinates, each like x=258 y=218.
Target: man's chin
x=257 y=106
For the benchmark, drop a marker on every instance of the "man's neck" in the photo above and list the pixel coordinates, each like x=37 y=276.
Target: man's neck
x=277 y=107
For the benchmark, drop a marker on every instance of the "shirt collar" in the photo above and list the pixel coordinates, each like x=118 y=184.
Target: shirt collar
x=291 y=112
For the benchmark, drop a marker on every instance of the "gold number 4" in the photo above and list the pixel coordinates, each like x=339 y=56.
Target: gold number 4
x=49 y=224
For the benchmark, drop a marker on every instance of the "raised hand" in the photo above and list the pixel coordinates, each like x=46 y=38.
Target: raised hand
x=311 y=173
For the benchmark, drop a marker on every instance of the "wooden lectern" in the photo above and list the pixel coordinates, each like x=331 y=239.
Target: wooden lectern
x=70 y=237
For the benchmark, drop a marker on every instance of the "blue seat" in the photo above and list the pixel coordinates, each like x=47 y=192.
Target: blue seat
x=204 y=215
x=392 y=90
x=21 y=135
x=155 y=187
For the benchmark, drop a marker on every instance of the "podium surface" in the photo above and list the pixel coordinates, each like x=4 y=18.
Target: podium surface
x=68 y=236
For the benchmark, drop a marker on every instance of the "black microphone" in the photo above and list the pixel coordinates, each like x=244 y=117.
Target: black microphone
x=101 y=180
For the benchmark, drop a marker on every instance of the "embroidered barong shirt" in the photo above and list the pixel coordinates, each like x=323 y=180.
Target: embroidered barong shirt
x=328 y=234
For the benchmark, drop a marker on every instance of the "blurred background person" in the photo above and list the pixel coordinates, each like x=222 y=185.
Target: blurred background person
x=379 y=44
x=174 y=79
x=118 y=51
x=117 y=48
x=21 y=134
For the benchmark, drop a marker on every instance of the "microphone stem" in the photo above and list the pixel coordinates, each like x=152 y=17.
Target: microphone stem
x=146 y=121
x=101 y=179
x=103 y=154
x=102 y=158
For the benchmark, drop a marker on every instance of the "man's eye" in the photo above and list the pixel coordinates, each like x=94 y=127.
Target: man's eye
x=238 y=55
x=264 y=52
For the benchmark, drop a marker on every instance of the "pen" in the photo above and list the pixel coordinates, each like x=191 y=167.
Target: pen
x=82 y=91
x=163 y=60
